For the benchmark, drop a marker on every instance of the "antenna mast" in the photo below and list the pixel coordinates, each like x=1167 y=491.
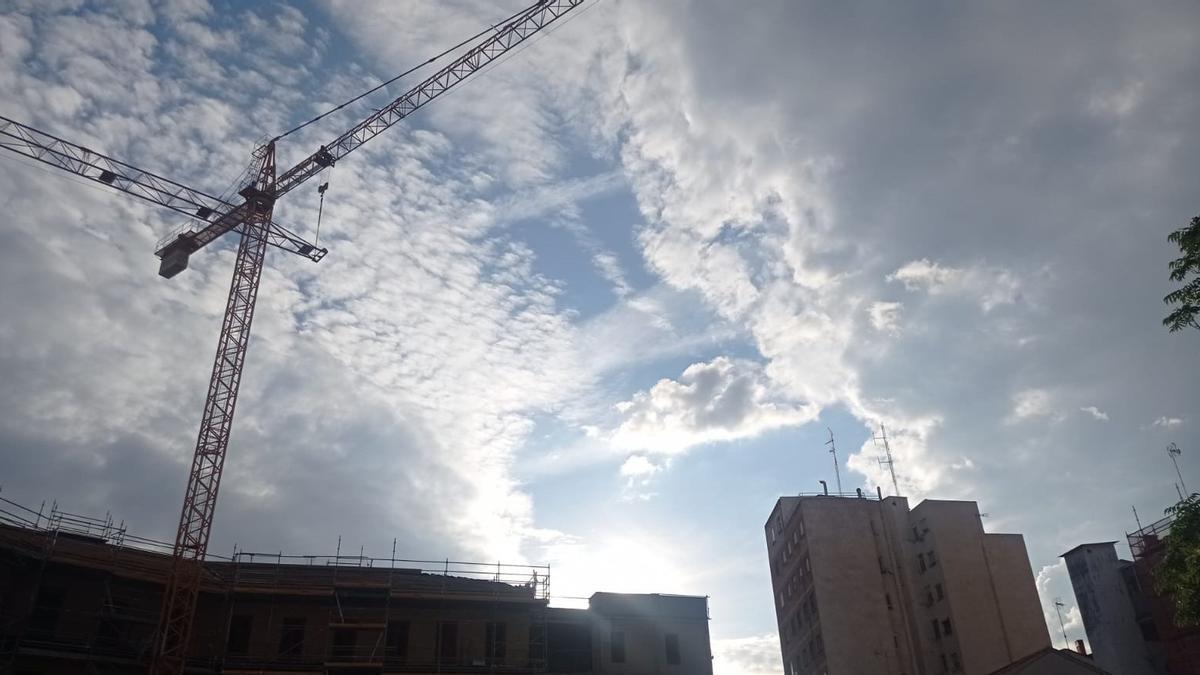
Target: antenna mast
x=1173 y=451
x=837 y=473
x=887 y=453
x=1058 y=605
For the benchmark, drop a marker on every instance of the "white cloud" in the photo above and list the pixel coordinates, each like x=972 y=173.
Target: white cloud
x=755 y=655
x=923 y=275
x=1095 y=412
x=722 y=400
x=885 y=316
x=1166 y=422
x=1031 y=403
x=990 y=286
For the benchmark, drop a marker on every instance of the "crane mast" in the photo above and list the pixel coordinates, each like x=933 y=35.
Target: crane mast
x=200 y=498
x=252 y=219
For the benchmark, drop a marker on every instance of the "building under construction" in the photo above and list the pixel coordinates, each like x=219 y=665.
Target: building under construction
x=81 y=595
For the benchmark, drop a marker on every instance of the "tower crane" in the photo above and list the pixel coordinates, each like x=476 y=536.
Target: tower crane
x=252 y=218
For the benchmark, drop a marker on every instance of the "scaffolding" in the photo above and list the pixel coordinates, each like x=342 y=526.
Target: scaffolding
x=362 y=611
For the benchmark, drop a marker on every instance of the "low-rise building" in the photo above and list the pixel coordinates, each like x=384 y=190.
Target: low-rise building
x=81 y=596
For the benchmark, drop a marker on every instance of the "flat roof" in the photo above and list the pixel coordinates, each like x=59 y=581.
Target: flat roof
x=1094 y=543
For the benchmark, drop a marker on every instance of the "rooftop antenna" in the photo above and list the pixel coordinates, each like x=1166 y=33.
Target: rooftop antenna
x=887 y=454
x=837 y=473
x=1173 y=451
x=1058 y=605
x=1136 y=518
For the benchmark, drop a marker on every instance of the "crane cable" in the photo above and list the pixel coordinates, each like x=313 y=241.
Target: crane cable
x=363 y=95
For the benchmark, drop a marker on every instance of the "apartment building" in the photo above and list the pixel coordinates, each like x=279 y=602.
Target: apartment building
x=81 y=596
x=869 y=586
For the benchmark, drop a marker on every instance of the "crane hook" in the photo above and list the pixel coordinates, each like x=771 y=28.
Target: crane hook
x=320 y=209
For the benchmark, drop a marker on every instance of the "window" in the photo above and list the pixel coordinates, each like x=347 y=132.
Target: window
x=932 y=559
x=888 y=597
x=617 y=647
x=944 y=669
x=955 y=662
x=537 y=643
x=937 y=632
x=497 y=641
x=291 y=638
x=448 y=642
x=397 y=639
x=43 y=621
x=940 y=594
x=807 y=565
x=921 y=561
x=672 y=649
x=239 y=634
x=344 y=642
x=946 y=628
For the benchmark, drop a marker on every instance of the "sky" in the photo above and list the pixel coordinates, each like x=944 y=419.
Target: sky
x=601 y=305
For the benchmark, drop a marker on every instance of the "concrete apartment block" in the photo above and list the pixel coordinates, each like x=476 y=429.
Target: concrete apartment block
x=870 y=586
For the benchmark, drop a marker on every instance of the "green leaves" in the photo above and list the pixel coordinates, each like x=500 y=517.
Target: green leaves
x=1178 y=575
x=1188 y=296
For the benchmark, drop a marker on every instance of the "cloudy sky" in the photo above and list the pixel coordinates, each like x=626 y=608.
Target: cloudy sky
x=598 y=307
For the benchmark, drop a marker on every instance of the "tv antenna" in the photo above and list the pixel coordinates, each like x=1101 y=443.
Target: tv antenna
x=1173 y=451
x=837 y=473
x=887 y=460
x=1058 y=605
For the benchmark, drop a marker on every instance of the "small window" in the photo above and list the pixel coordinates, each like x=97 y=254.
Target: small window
x=239 y=634
x=940 y=594
x=921 y=561
x=672 y=649
x=448 y=642
x=497 y=641
x=955 y=662
x=888 y=597
x=617 y=647
x=807 y=565
x=946 y=627
x=932 y=559
x=937 y=631
x=291 y=638
x=397 y=639
x=944 y=663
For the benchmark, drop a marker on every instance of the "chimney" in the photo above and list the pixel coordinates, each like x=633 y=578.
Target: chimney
x=1080 y=648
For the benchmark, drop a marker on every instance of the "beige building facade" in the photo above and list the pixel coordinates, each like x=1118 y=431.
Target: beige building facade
x=872 y=587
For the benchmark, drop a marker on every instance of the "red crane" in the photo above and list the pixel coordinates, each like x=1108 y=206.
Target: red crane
x=252 y=219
